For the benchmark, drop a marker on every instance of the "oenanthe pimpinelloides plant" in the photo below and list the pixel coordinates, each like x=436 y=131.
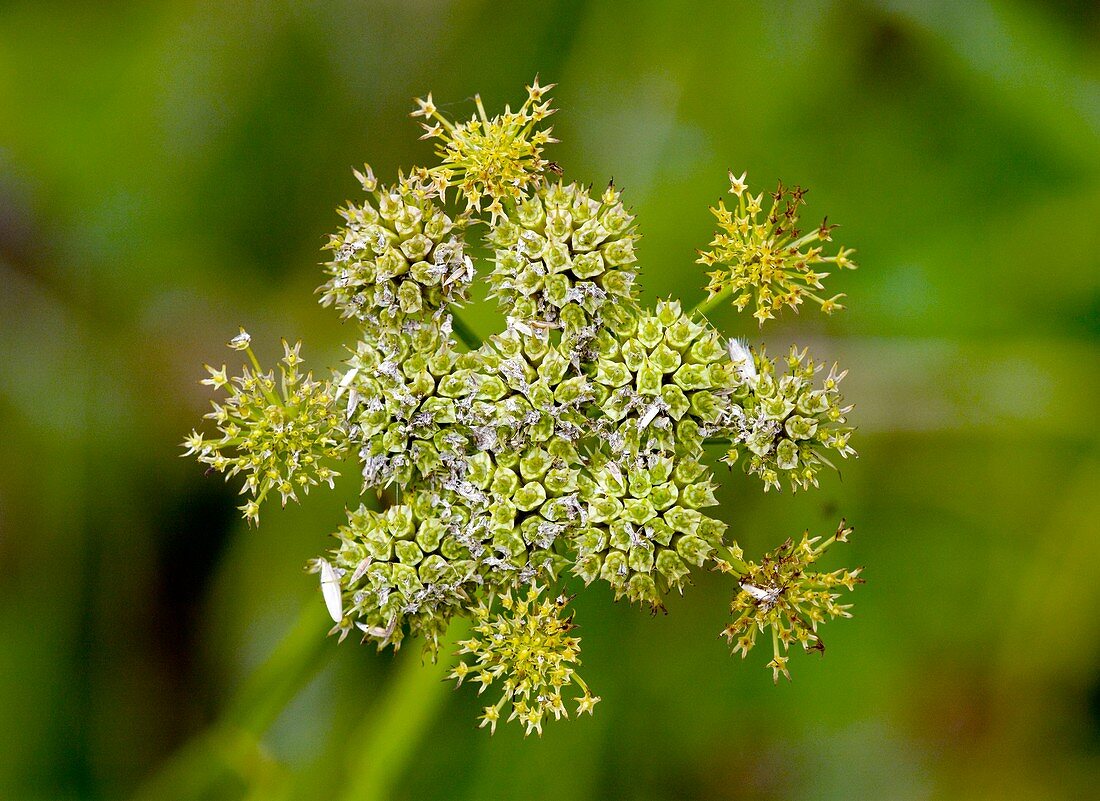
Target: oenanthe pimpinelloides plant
x=570 y=446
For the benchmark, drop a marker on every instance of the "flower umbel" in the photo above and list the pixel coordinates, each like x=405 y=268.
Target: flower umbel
x=561 y=255
x=402 y=570
x=569 y=447
x=764 y=257
x=784 y=424
x=781 y=594
x=282 y=435
x=530 y=650
x=399 y=259
x=488 y=157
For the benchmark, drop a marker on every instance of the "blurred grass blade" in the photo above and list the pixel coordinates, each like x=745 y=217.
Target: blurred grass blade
x=385 y=742
x=232 y=744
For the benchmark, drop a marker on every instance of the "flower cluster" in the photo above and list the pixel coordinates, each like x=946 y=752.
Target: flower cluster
x=399 y=259
x=562 y=255
x=282 y=436
x=663 y=380
x=494 y=158
x=531 y=650
x=782 y=595
x=402 y=570
x=571 y=447
x=403 y=405
x=786 y=425
x=644 y=529
x=764 y=257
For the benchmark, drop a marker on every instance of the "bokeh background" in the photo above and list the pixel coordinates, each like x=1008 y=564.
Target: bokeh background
x=169 y=171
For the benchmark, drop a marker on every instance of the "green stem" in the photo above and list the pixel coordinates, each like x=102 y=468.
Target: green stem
x=268 y=393
x=232 y=744
x=464 y=332
x=740 y=567
x=711 y=303
x=387 y=740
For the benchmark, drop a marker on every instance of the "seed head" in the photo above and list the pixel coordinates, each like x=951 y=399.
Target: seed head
x=785 y=426
x=562 y=256
x=398 y=261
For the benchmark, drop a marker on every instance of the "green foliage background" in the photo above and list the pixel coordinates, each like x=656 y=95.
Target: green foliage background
x=168 y=171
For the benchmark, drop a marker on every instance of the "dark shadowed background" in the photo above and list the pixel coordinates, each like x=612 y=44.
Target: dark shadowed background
x=169 y=171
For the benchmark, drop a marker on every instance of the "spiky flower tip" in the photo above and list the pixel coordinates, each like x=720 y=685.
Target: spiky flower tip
x=398 y=259
x=561 y=255
x=488 y=158
x=781 y=594
x=282 y=435
x=530 y=650
x=765 y=258
x=784 y=424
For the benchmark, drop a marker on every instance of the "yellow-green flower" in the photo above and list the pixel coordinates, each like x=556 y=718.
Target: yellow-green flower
x=282 y=435
x=407 y=570
x=662 y=380
x=530 y=652
x=781 y=595
x=488 y=157
x=764 y=258
x=644 y=529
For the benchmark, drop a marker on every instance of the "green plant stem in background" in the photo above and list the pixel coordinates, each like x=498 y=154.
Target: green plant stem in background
x=231 y=746
x=382 y=747
x=464 y=332
x=231 y=749
x=708 y=305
